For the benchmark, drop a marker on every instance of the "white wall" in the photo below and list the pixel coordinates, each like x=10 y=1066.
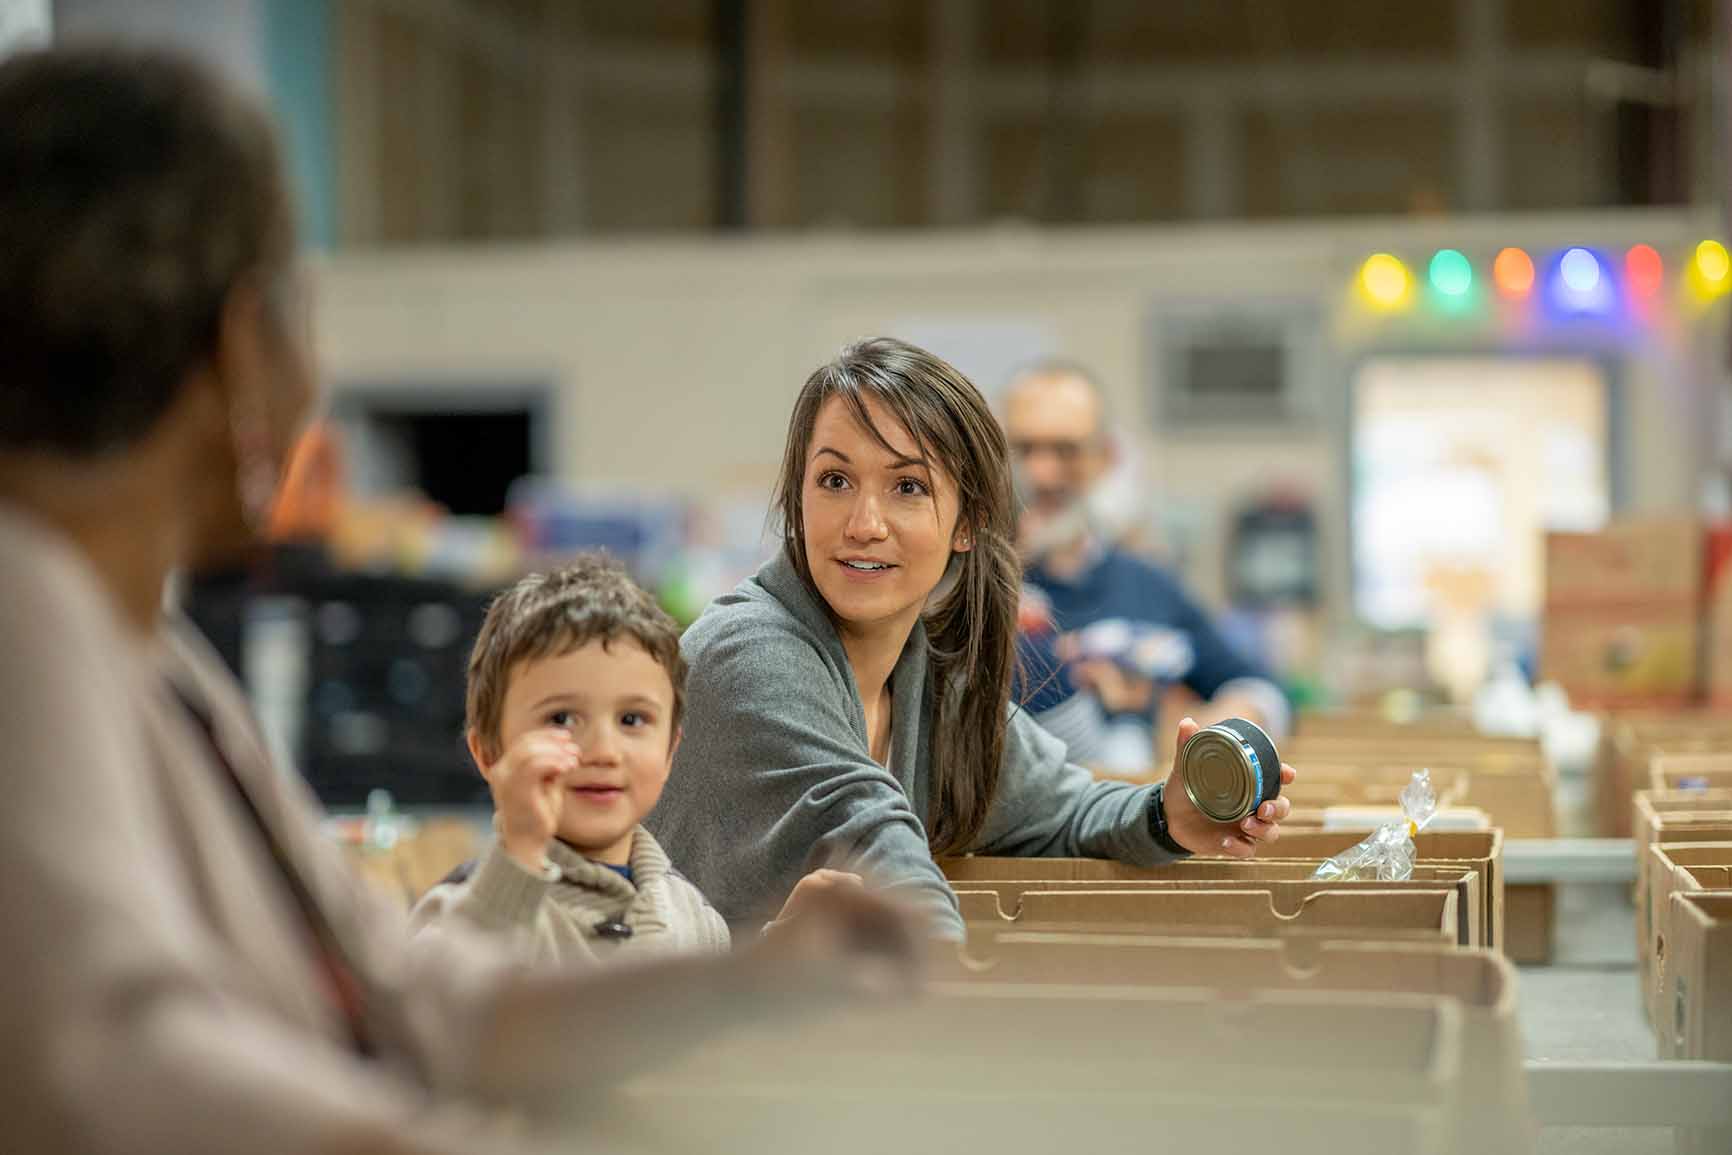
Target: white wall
x=676 y=362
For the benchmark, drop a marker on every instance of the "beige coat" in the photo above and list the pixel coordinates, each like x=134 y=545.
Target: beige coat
x=160 y=993
x=575 y=918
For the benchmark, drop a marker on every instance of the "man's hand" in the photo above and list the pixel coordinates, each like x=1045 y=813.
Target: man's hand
x=528 y=785
x=1119 y=690
x=1200 y=834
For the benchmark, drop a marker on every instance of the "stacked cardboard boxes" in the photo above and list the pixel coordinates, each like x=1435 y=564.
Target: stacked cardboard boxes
x=1693 y=1018
x=1623 y=613
x=1508 y=779
x=1669 y=822
x=1630 y=741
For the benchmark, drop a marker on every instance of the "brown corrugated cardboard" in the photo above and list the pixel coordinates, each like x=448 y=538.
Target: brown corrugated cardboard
x=1483 y=982
x=1630 y=740
x=1295 y=857
x=1632 y=560
x=990 y=1068
x=1254 y=912
x=1529 y=911
x=1679 y=805
x=1676 y=816
x=1287 y=883
x=1692 y=772
x=1519 y=801
x=1475 y=751
x=1672 y=867
x=1646 y=654
x=1479 y=850
x=1696 y=1006
x=1718 y=634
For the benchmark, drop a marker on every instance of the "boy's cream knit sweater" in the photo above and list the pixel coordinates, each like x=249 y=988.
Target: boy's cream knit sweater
x=581 y=911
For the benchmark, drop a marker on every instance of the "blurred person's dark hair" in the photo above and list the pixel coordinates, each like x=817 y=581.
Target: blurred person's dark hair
x=136 y=189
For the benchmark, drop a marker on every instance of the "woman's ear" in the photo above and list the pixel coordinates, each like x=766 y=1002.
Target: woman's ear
x=963 y=540
x=674 y=743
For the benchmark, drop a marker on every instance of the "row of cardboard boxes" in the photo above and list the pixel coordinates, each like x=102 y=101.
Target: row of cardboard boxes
x=1352 y=773
x=1035 y=1040
x=1656 y=750
x=1104 y=1007
x=1683 y=841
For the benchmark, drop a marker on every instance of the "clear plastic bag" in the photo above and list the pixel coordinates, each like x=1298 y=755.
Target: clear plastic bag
x=1387 y=855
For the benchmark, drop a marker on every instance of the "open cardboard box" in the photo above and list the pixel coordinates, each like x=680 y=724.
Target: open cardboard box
x=1676 y=816
x=1287 y=884
x=1483 y=982
x=1650 y=805
x=1521 y=803
x=1260 y=911
x=1485 y=906
x=1691 y=772
x=1696 y=1018
x=1673 y=867
x=1001 y=1068
x=1628 y=744
x=1385 y=747
x=1695 y=1007
x=1477 y=850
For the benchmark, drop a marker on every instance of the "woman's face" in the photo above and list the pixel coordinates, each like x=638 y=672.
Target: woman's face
x=879 y=524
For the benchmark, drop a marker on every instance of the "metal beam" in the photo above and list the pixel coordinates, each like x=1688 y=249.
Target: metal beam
x=1677 y=1093
x=1608 y=860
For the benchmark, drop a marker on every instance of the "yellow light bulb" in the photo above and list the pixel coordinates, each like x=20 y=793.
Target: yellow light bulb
x=1385 y=280
x=1712 y=262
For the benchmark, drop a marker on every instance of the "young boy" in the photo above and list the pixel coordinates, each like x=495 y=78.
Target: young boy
x=575 y=690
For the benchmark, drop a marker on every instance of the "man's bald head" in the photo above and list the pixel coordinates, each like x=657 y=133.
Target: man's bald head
x=1057 y=383
x=1055 y=419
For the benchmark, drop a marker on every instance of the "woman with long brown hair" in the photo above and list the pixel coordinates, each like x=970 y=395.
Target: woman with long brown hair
x=850 y=705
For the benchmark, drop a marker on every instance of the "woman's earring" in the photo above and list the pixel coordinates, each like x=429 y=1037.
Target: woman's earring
x=255 y=480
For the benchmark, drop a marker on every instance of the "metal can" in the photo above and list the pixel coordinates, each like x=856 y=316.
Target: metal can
x=1230 y=769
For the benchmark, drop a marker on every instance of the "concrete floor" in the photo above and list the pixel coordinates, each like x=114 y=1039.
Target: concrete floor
x=1585 y=1007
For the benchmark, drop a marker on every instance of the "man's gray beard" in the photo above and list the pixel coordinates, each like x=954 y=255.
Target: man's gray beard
x=1075 y=523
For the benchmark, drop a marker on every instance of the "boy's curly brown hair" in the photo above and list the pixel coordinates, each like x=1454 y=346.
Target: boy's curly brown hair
x=547 y=614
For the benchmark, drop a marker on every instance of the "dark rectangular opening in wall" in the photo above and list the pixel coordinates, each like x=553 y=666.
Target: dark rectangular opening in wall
x=462 y=448
x=465 y=462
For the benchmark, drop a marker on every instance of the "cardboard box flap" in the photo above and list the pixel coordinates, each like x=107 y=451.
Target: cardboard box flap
x=1412 y=906
x=1478 y=978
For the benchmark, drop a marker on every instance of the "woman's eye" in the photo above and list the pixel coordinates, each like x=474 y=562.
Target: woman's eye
x=832 y=481
x=633 y=719
x=908 y=487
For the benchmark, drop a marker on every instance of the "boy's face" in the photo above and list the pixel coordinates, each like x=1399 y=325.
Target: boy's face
x=617 y=702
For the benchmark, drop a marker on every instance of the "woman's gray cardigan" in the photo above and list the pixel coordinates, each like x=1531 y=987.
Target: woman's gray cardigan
x=774 y=778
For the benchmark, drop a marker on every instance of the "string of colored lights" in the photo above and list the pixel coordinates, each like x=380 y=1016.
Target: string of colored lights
x=1577 y=279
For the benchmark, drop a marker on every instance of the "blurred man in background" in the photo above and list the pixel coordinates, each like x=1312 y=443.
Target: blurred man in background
x=1105 y=631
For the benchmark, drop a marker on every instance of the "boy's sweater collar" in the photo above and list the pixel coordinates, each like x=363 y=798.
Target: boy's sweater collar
x=649 y=865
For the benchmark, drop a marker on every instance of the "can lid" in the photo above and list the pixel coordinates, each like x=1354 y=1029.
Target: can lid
x=1218 y=776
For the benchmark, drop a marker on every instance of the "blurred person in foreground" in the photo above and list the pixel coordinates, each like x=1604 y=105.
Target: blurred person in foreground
x=190 y=966
x=1103 y=630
